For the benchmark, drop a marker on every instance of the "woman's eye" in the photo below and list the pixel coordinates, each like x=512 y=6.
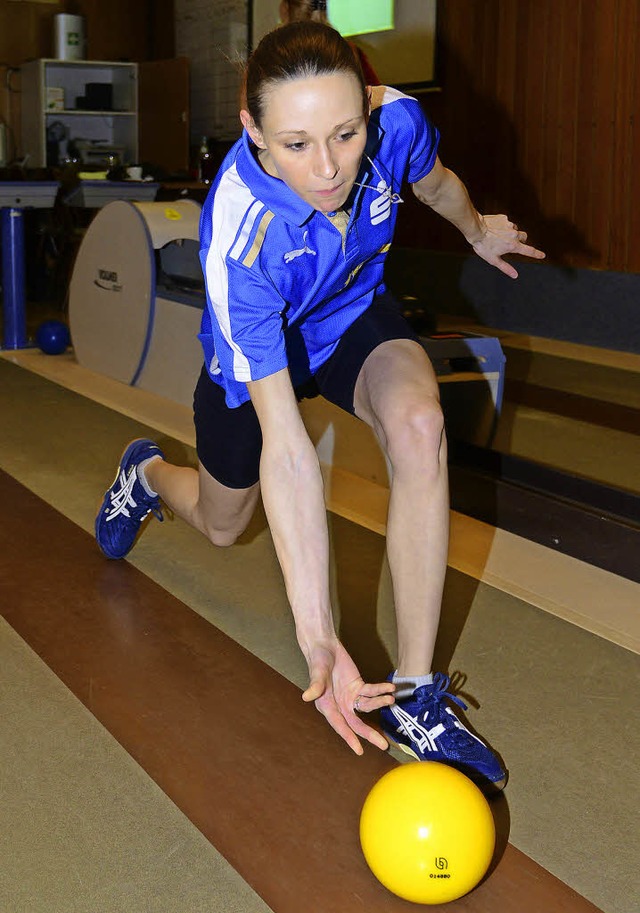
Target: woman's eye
x=346 y=136
x=296 y=147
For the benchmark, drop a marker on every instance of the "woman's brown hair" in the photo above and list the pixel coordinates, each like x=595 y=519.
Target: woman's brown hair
x=299 y=50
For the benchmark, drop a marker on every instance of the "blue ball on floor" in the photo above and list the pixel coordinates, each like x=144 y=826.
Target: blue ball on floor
x=52 y=337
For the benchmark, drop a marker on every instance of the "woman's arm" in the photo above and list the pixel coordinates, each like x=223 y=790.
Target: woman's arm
x=293 y=497
x=490 y=236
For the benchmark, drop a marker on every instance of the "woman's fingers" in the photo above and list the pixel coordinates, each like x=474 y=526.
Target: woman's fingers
x=379 y=689
x=370 y=697
x=340 y=706
x=316 y=689
x=339 y=722
x=527 y=251
x=349 y=726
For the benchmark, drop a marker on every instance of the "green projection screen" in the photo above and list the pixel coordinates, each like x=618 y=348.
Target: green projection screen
x=359 y=17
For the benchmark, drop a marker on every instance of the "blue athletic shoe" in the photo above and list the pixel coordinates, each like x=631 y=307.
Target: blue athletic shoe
x=126 y=503
x=427 y=729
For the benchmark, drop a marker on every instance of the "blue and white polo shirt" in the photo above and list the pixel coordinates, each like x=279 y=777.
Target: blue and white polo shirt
x=278 y=271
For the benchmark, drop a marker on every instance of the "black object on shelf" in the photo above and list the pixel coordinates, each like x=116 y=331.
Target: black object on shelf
x=99 y=96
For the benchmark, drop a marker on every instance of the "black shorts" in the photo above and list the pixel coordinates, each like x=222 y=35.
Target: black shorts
x=229 y=441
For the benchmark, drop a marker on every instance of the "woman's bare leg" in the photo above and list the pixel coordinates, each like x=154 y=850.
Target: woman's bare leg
x=397 y=394
x=221 y=513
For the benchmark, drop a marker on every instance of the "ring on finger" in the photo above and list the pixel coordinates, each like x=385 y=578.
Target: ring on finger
x=356 y=705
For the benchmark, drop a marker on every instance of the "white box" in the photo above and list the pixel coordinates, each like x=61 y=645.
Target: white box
x=55 y=98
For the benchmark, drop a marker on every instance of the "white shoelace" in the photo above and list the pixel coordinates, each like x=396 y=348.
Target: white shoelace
x=122 y=499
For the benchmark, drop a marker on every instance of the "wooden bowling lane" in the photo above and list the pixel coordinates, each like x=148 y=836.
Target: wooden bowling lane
x=225 y=736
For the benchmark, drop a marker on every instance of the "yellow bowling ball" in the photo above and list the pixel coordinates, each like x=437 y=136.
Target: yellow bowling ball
x=427 y=832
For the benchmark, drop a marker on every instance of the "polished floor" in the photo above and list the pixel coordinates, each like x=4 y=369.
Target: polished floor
x=93 y=824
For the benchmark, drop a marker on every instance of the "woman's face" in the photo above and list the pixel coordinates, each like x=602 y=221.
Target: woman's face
x=312 y=137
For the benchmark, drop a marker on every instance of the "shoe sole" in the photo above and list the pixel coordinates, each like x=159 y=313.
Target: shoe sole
x=487 y=786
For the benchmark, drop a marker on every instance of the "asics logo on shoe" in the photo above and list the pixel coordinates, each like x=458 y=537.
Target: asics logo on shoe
x=423 y=738
x=292 y=254
x=121 y=500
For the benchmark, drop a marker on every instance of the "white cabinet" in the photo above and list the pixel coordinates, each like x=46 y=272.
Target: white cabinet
x=90 y=103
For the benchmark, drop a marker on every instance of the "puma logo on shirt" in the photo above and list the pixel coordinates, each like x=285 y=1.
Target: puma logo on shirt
x=292 y=254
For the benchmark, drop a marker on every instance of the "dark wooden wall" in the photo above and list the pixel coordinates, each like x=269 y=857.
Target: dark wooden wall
x=540 y=115
x=116 y=30
x=135 y=30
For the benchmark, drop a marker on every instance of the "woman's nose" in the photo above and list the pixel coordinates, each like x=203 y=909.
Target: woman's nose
x=324 y=164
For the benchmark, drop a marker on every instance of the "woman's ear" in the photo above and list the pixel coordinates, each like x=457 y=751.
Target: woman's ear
x=249 y=125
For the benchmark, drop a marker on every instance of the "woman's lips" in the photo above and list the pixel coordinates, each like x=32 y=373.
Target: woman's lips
x=328 y=193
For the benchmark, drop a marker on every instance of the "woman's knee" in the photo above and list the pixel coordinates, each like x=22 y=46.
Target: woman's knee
x=223 y=537
x=415 y=434
x=224 y=513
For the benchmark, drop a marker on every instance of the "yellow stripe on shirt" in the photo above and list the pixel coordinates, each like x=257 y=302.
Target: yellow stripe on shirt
x=254 y=250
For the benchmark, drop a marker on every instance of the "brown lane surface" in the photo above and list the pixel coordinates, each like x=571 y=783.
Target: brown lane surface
x=225 y=736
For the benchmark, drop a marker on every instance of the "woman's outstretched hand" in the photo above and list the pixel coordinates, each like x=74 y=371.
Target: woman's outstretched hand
x=503 y=237
x=335 y=685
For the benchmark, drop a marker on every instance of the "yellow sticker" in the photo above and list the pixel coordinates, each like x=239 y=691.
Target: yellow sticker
x=173 y=214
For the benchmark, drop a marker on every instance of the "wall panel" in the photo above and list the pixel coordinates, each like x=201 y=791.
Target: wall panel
x=540 y=112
